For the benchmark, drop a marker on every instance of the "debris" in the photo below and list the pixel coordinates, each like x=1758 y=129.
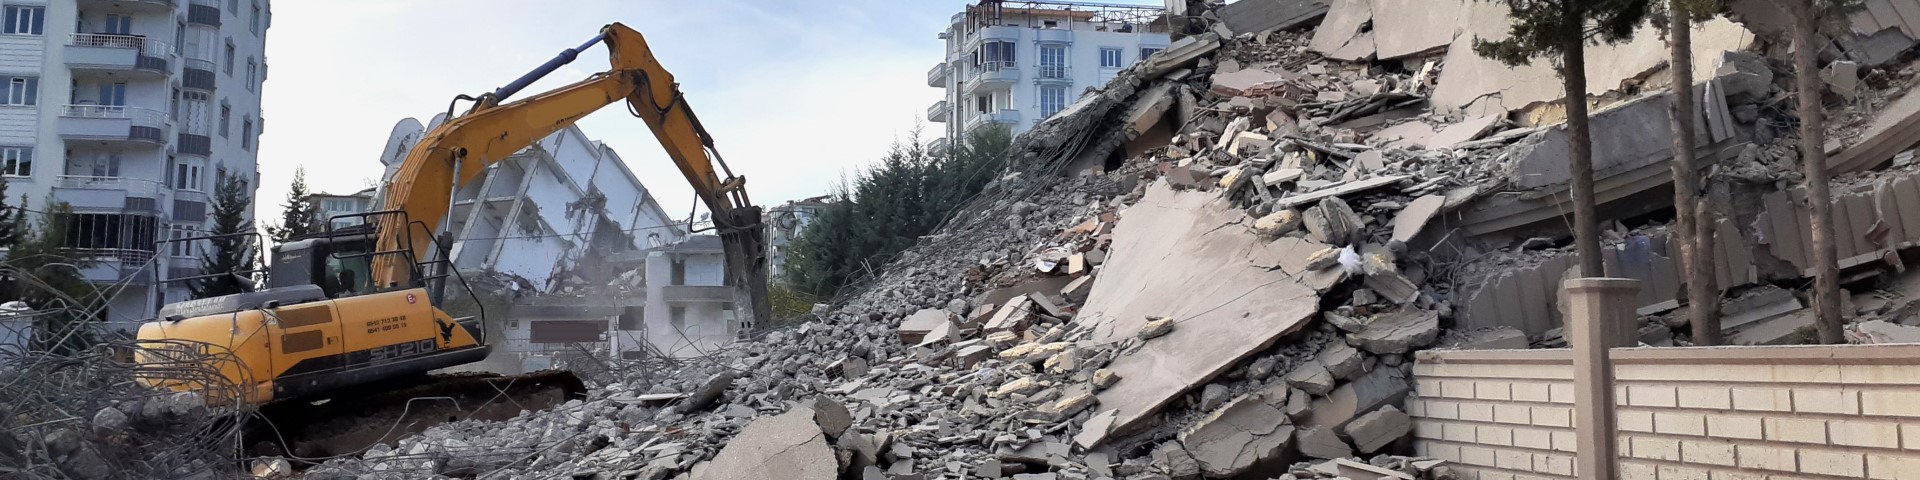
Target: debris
x=788 y=445
x=1359 y=186
x=1414 y=218
x=1882 y=332
x=1247 y=431
x=1372 y=431
x=1312 y=376
x=1321 y=443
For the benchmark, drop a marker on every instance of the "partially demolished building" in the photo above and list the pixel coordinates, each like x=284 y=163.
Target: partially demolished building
x=1229 y=259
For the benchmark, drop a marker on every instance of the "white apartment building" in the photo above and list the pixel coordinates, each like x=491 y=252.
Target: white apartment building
x=326 y=205
x=784 y=224
x=126 y=110
x=549 y=210
x=1017 y=62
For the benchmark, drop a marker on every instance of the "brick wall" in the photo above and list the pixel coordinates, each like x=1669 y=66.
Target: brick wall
x=1683 y=413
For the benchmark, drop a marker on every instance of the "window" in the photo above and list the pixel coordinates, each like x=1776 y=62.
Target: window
x=117 y=24
x=25 y=20
x=113 y=94
x=1148 y=52
x=226 y=118
x=246 y=134
x=233 y=6
x=254 y=25
x=229 y=58
x=996 y=55
x=23 y=91
x=186 y=177
x=679 y=272
x=179 y=38
x=1110 y=57
x=1053 y=99
x=982 y=104
x=677 y=315
x=1053 y=61
x=106 y=165
x=16 y=161
x=253 y=70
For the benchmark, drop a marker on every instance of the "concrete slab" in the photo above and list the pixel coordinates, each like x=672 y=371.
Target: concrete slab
x=1499 y=89
x=1244 y=433
x=1342 y=27
x=1412 y=219
x=1381 y=387
x=1255 y=16
x=1406 y=134
x=1238 y=83
x=788 y=445
x=1171 y=258
x=1408 y=27
x=1467 y=130
x=916 y=326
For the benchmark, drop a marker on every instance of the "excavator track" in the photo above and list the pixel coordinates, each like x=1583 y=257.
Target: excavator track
x=349 y=421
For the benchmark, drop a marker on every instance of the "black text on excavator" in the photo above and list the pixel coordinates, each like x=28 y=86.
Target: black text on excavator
x=347 y=310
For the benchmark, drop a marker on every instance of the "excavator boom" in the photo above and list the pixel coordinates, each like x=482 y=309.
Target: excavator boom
x=458 y=150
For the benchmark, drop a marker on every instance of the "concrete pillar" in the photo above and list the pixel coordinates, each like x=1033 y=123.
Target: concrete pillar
x=1600 y=316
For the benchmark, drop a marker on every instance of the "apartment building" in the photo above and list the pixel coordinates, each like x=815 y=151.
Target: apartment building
x=549 y=211
x=327 y=205
x=127 y=110
x=1015 y=63
x=784 y=224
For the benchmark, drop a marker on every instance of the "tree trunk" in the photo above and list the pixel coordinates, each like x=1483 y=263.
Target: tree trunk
x=1813 y=158
x=1695 y=243
x=1586 y=231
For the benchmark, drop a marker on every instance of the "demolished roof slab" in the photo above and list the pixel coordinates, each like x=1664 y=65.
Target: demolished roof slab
x=1482 y=86
x=1410 y=27
x=1182 y=255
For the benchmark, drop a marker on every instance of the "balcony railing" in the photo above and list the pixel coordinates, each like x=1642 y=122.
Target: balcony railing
x=939 y=111
x=937 y=77
x=1054 y=72
x=198 y=64
x=113 y=40
x=140 y=117
x=134 y=187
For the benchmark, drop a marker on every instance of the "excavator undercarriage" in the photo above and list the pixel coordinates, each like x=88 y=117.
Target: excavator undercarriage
x=349 y=421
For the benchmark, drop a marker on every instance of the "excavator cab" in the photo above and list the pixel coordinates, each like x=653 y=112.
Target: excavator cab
x=334 y=261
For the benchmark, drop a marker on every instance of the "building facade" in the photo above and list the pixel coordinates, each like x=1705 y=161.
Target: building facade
x=1015 y=63
x=784 y=224
x=326 y=205
x=127 y=110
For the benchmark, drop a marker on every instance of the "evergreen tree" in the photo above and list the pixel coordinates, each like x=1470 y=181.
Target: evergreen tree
x=886 y=208
x=1693 y=225
x=231 y=256
x=297 y=216
x=9 y=217
x=1559 y=30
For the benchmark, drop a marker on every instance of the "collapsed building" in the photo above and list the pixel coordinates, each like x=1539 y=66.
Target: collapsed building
x=1222 y=263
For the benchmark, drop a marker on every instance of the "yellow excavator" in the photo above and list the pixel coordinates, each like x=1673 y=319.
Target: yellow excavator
x=352 y=308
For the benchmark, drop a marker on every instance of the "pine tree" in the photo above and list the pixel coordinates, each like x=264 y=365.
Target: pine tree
x=1559 y=30
x=51 y=283
x=232 y=256
x=297 y=216
x=1807 y=15
x=9 y=217
x=1693 y=226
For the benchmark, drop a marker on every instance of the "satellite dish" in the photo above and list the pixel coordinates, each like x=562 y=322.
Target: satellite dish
x=405 y=133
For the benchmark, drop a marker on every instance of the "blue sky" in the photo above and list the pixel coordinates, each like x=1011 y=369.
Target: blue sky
x=795 y=93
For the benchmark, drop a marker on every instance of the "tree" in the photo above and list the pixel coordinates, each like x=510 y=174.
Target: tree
x=884 y=209
x=9 y=216
x=1560 y=30
x=1693 y=225
x=1807 y=15
x=233 y=254
x=297 y=215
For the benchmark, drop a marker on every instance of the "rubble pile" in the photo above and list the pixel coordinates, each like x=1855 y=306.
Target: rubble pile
x=1219 y=265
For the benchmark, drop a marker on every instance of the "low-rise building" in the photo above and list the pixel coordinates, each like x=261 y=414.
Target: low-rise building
x=784 y=224
x=327 y=205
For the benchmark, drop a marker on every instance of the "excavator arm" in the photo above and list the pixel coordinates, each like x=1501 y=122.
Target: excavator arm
x=420 y=192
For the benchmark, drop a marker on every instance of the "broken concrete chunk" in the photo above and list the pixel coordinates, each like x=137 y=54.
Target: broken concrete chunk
x=1104 y=378
x=788 y=445
x=1155 y=327
x=1282 y=175
x=1321 y=443
x=1076 y=292
x=1312 y=377
x=1843 y=78
x=1278 y=223
x=1176 y=461
x=1467 y=130
x=1299 y=404
x=1372 y=431
x=1323 y=259
x=709 y=393
x=832 y=416
x=1501 y=338
x=1398 y=332
x=1341 y=360
x=1882 y=332
x=1021 y=386
x=1393 y=286
x=1247 y=431
x=1343 y=322
x=1095 y=430
x=1011 y=316
x=916 y=326
x=1332 y=222
x=1379 y=387
x=1414 y=218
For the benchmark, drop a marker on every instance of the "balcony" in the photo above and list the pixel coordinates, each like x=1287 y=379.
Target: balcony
x=940 y=112
x=697 y=293
x=108 y=53
x=1002 y=33
x=1055 y=36
x=197 y=74
x=937 y=77
x=993 y=74
x=1053 y=75
x=116 y=265
x=204 y=13
x=113 y=125
x=109 y=193
x=1002 y=117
